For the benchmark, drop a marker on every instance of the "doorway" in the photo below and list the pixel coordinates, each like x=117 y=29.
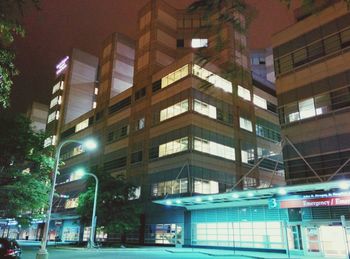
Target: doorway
x=312 y=241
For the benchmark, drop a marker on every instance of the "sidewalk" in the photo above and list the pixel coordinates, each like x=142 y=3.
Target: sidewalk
x=187 y=250
x=245 y=254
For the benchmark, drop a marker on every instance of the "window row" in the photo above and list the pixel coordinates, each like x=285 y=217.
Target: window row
x=314 y=106
x=268 y=133
x=239 y=234
x=174 y=110
x=212 y=78
x=213 y=148
x=119 y=105
x=73 y=152
x=172 y=147
x=170 y=187
x=174 y=76
x=313 y=51
x=198 y=106
x=120 y=132
x=178 y=186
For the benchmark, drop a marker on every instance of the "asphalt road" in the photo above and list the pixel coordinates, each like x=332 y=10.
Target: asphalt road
x=78 y=253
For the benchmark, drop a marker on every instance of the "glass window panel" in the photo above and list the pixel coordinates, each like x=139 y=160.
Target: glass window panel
x=332 y=44
x=244 y=93
x=291 y=112
x=285 y=63
x=214 y=148
x=212 y=78
x=260 y=102
x=345 y=38
x=199 y=43
x=300 y=57
x=315 y=50
x=245 y=124
x=174 y=76
x=307 y=108
x=174 y=110
x=322 y=104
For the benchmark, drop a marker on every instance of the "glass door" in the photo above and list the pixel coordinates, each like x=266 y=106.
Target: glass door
x=312 y=241
x=294 y=237
x=179 y=236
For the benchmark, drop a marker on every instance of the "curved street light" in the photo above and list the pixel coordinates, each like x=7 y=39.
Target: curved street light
x=91 y=243
x=89 y=144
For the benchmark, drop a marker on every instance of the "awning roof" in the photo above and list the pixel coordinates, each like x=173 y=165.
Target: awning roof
x=248 y=197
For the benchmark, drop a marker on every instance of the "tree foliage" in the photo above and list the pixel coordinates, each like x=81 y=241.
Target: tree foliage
x=24 y=169
x=11 y=12
x=116 y=211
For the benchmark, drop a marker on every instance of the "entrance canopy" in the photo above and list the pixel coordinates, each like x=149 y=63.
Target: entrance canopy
x=252 y=197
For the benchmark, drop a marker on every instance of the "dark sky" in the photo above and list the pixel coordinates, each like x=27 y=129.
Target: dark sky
x=63 y=24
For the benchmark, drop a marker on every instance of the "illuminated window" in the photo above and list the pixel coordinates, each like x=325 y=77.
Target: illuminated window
x=260 y=102
x=249 y=182
x=247 y=156
x=53 y=116
x=174 y=110
x=140 y=124
x=244 y=93
x=245 y=124
x=322 y=103
x=96 y=91
x=212 y=78
x=55 y=101
x=213 y=148
x=307 y=108
x=174 y=76
x=50 y=141
x=292 y=112
x=57 y=87
x=173 y=147
x=82 y=125
x=199 y=43
x=205 y=186
x=94 y=104
x=170 y=187
x=71 y=203
x=204 y=108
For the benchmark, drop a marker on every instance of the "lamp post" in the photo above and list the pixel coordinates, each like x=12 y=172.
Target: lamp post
x=89 y=144
x=82 y=173
x=91 y=244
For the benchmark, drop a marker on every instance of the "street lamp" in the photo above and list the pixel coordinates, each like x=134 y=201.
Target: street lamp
x=88 y=144
x=91 y=243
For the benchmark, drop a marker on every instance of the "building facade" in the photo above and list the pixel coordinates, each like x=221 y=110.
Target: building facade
x=171 y=125
x=312 y=82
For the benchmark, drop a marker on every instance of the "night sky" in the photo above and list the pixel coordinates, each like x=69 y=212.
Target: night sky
x=61 y=25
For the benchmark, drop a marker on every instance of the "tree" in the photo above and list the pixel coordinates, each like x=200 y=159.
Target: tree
x=25 y=168
x=116 y=211
x=11 y=12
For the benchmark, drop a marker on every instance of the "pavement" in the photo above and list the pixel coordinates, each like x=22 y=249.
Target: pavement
x=63 y=251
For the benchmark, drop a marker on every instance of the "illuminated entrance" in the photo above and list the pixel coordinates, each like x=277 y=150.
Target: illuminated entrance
x=298 y=220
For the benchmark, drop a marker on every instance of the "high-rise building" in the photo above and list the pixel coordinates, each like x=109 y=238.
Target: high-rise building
x=37 y=113
x=312 y=80
x=173 y=125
